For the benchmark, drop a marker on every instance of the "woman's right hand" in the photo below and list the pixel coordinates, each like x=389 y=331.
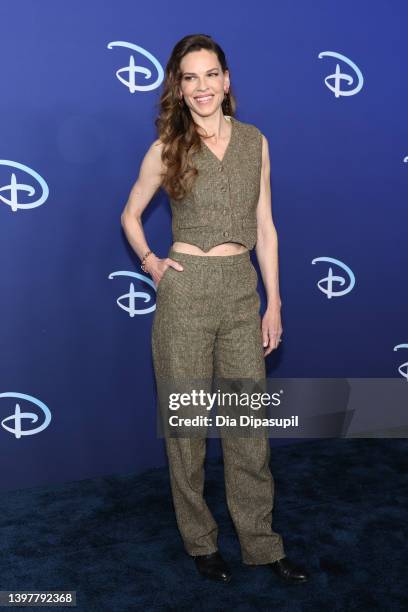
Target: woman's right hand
x=157 y=267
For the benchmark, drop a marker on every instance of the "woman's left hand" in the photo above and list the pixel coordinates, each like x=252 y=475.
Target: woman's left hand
x=271 y=329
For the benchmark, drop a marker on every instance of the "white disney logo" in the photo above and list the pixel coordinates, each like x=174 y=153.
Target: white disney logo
x=339 y=76
x=15 y=187
x=403 y=368
x=18 y=416
x=130 y=297
x=326 y=284
x=132 y=69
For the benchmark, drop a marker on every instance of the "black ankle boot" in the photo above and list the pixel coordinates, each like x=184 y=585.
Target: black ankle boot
x=288 y=571
x=213 y=566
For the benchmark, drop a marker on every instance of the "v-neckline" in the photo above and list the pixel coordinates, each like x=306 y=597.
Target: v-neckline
x=221 y=161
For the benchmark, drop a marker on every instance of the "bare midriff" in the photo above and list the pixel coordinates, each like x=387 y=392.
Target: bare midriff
x=226 y=248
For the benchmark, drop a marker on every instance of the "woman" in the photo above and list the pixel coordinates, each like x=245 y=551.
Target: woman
x=215 y=170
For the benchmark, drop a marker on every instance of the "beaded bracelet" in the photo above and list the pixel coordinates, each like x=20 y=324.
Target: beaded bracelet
x=142 y=265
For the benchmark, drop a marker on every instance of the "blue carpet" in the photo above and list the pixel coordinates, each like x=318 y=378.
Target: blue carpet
x=341 y=507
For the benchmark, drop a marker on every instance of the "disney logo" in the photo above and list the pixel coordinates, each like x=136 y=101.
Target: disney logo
x=127 y=301
x=14 y=187
x=403 y=368
x=132 y=69
x=326 y=284
x=339 y=76
x=18 y=416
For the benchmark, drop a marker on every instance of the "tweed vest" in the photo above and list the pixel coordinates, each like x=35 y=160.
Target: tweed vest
x=221 y=206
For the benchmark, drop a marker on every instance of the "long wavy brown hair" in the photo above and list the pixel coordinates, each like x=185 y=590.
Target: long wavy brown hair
x=175 y=125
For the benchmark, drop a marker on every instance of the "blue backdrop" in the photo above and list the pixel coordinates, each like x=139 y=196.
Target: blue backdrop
x=76 y=310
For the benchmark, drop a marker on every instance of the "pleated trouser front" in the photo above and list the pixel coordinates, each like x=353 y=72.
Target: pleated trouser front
x=206 y=324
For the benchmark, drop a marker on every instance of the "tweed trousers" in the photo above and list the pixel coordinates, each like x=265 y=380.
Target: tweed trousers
x=207 y=323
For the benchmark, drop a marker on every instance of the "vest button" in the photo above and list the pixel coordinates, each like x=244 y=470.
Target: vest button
x=220 y=168
x=224 y=210
x=225 y=233
x=223 y=188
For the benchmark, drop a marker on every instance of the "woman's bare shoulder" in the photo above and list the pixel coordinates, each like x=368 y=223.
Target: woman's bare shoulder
x=157 y=145
x=155 y=150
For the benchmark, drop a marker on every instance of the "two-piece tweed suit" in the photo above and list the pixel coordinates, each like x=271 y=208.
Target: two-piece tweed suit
x=207 y=324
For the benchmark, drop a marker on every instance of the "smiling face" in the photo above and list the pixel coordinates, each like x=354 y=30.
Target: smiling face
x=203 y=83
